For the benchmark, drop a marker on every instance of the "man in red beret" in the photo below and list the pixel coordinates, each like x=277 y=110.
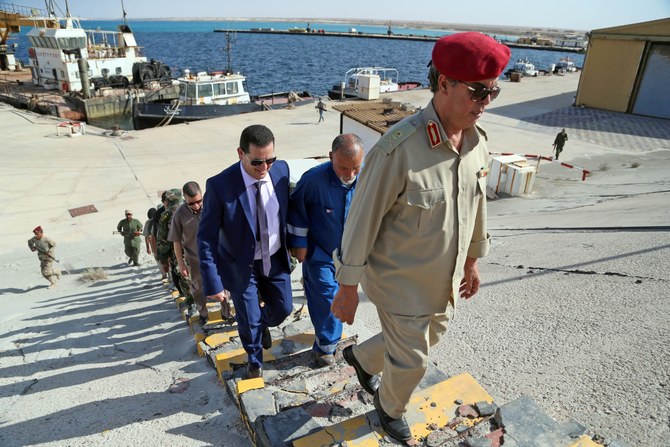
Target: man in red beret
x=45 y=247
x=417 y=224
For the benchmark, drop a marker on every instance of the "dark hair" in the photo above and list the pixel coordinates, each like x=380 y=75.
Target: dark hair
x=256 y=134
x=191 y=189
x=348 y=143
x=433 y=76
x=151 y=212
x=164 y=196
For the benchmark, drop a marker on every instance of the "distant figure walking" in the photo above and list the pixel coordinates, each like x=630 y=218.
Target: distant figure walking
x=321 y=107
x=559 y=142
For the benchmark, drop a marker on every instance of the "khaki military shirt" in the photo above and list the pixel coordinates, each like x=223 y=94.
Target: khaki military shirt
x=418 y=211
x=43 y=246
x=184 y=229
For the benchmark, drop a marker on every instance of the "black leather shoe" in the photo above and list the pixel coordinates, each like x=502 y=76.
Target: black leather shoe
x=254 y=373
x=396 y=428
x=369 y=382
x=266 y=340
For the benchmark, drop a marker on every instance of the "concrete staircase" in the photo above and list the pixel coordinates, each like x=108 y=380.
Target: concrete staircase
x=298 y=404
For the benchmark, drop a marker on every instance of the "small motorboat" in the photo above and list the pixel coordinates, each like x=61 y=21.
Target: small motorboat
x=352 y=86
x=524 y=67
x=565 y=65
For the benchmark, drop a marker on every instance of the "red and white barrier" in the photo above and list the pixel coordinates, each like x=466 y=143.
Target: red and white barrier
x=585 y=172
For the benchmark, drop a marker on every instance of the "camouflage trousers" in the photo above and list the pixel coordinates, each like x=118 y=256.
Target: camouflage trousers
x=195 y=282
x=50 y=274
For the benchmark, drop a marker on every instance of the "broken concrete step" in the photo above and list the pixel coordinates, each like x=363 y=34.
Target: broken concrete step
x=281 y=413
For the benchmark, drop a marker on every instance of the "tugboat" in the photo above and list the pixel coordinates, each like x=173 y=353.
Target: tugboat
x=205 y=95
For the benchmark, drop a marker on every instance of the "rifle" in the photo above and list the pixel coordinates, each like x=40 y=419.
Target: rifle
x=124 y=234
x=65 y=267
x=48 y=254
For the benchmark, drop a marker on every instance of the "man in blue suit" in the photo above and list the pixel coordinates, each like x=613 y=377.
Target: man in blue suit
x=242 y=242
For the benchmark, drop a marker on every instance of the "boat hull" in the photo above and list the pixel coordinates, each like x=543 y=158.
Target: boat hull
x=336 y=93
x=152 y=114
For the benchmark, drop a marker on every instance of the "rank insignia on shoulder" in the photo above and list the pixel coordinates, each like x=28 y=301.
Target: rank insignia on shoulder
x=483 y=172
x=433 y=134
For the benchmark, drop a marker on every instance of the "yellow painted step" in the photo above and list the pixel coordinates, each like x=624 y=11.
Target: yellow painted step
x=584 y=441
x=224 y=361
x=434 y=405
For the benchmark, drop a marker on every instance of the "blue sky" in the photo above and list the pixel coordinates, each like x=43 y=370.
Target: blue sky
x=565 y=14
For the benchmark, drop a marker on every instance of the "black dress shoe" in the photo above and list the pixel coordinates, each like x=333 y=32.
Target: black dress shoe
x=396 y=428
x=266 y=340
x=369 y=382
x=254 y=373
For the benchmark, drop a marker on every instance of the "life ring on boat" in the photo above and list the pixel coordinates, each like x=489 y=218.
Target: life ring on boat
x=65 y=86
x=31 y=53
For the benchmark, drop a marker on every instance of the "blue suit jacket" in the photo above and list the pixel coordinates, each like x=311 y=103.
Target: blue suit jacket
x=226 y=234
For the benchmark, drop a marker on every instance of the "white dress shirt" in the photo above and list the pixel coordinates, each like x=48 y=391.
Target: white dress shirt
x=271 y=209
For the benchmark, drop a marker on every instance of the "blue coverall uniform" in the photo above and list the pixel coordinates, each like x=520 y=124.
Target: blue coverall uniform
x=318 y=208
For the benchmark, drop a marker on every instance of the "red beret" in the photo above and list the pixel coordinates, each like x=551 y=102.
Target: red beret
x=470 y=57
x=37 y=229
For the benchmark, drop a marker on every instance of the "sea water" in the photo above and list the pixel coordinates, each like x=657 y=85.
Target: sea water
x=277 y=63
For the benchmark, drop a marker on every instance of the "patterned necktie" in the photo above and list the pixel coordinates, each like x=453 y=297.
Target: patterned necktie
x=262 y=232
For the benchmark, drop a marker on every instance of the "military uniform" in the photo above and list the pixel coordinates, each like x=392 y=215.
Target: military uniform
x=184 y=229
x=131 y=243
x=419 y=211
x=46 y=254
x=165 y=247
x=559 y=142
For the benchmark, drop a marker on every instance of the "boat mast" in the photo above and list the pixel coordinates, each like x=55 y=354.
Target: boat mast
x=228 y=50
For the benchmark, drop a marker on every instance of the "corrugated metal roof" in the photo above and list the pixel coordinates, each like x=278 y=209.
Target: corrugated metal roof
x=378 y=115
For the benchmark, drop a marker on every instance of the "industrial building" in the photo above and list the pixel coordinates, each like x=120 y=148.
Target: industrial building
x=627 y=69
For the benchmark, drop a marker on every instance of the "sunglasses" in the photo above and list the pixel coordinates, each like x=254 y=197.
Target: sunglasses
x=197 y=202
x=480 y=93
x=267 y=161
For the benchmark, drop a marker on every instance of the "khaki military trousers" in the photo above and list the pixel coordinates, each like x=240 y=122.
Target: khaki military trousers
x=400 y=353
x=48 y=272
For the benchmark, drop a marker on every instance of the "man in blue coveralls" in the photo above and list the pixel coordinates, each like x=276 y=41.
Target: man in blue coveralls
x=318 y=208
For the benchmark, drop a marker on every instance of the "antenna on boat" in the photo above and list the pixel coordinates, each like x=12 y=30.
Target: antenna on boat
x=123 y=8
x=67 y=9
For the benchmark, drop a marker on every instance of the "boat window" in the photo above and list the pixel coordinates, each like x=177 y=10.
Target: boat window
x=71 y=43
x=104 y=72
x=119 y=70
x=204 y=90
x=232 y=88
x=219 y=89
x=190 y=91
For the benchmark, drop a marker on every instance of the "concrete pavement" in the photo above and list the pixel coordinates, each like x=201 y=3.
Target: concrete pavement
x=575 y=318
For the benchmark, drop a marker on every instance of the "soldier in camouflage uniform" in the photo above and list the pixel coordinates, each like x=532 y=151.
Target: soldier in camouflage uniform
x=44 y=247
x=165 y=247
x=131 y=229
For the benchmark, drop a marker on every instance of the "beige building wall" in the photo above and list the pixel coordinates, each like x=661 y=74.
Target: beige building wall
x=609 y=73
